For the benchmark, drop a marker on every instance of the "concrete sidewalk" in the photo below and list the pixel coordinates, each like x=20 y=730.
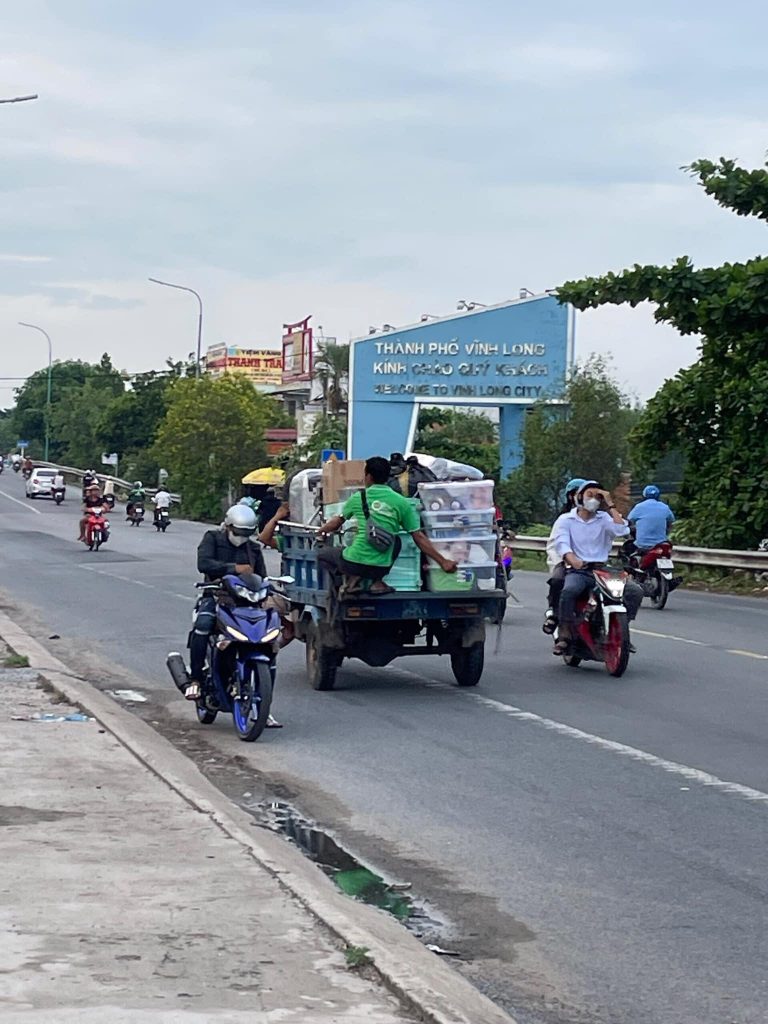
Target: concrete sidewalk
x=120 y=902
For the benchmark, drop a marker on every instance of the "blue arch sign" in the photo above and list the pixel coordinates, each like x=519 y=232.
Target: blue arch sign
x=507 y=356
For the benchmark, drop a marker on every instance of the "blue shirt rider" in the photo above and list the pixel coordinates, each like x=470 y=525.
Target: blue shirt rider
x=652 y=518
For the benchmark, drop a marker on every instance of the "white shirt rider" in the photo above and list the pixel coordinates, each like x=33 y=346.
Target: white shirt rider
x=162 y=499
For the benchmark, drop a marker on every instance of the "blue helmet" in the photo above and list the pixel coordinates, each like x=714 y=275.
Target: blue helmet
x=651 y=491
x=575 y=484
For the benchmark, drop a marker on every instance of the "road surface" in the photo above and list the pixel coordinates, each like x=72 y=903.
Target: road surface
x=595 y=848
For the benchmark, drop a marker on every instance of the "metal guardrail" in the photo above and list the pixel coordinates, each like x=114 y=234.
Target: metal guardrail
x=78 y=474
x=713 y=558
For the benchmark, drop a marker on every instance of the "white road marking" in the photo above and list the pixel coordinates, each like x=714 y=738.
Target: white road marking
x=748 y=654
x=138 y=583
x=23 y=504
x=622 y=749
x=701 y=643
x=670 y=636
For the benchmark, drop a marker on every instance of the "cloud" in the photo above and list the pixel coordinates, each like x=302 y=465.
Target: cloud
x=12 y=257
x=366 y=163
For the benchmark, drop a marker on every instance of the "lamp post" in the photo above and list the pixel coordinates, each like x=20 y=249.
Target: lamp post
x=48 y=399
x=183 y=288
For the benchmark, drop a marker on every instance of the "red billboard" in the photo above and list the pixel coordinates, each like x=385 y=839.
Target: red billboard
x=297 y=351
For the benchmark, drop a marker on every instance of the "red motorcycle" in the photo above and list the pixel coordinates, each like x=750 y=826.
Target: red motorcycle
x=601 y=630
x=96 y=529
x=654 y=571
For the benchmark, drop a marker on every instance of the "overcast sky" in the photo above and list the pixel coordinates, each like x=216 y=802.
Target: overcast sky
x=365 y=162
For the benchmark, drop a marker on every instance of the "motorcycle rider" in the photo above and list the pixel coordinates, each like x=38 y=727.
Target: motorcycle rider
x=58 y=482
x=136 y=495
x=652 y=518
x=89 y=477
x=361 y=561
x=228 y=549
x=91 y=500
x=555 y=564
x=27 y=467
x=161 y=500
x=583 y=539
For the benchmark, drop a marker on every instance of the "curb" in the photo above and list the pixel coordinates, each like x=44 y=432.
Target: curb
x=435 y=991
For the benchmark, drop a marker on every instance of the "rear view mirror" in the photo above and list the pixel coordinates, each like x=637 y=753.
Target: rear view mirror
x=281 y=579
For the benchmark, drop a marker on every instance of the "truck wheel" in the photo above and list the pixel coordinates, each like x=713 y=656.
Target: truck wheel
x=467 y=664
x=322 y=663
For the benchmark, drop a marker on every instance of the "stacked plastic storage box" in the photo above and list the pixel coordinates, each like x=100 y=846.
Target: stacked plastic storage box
x=459 y=518
x=405 y=574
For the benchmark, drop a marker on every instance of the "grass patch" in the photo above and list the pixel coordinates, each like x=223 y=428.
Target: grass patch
x=529 y=561
x=357 y=956
x=15 y=661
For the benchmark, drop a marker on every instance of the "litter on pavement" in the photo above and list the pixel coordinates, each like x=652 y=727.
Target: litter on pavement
x=48 y=716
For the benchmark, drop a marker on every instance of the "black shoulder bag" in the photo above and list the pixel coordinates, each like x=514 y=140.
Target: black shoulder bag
x=379 y=538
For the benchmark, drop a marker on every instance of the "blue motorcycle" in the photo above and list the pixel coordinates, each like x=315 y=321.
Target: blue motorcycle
x=242 y=654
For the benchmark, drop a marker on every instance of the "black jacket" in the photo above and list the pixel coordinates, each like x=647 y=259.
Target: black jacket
x=217 y=555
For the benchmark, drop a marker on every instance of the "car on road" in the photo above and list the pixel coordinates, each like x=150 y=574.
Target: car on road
x=40 y=483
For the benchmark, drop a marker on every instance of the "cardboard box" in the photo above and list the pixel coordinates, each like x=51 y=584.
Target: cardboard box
x=338 y=475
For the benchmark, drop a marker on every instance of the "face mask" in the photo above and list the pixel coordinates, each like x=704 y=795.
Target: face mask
x=237 y=541
x=591 y=504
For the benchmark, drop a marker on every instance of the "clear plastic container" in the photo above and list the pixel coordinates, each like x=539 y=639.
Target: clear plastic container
x=466 y=549
x=447 y=496
x=469 y=521
x=466 y=578
x=302 y=495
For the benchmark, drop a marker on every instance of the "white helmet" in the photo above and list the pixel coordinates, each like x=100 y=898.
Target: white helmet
x=241 y=521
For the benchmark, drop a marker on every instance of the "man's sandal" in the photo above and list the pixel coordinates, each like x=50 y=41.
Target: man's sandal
x=192 y=692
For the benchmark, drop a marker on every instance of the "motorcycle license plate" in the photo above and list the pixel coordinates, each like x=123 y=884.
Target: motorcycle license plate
x=664 y=563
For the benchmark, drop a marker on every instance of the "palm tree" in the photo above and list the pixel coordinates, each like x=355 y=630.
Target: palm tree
x=332 y=371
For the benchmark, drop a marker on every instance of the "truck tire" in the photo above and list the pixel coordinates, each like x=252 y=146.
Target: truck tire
x=322 y=662
x=467 y=664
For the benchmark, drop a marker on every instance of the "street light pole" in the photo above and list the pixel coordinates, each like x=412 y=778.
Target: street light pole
x=19 y=99
x=48 y=399
x=183 y=288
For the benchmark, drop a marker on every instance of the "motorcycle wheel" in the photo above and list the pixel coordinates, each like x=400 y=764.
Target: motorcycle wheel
x=572 y=660
x=204 y=715
x=90 y=545
x=661 y=593
x=250 y=712
x=616 y=646
x=164 y=527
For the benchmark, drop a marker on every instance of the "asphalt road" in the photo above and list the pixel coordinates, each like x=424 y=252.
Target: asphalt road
x=595 y=847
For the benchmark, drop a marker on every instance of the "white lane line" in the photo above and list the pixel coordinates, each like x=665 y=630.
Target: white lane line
x=138 y=583
x=23 y=504
x=701 y=643
x=669 y=636
x=622 y=749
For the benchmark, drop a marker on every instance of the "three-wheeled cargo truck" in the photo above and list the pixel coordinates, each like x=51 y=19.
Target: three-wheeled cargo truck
x=378 y=629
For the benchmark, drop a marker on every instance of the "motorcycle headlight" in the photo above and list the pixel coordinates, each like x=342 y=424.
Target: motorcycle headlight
x=614 y=587
x=237 y=634
x=271 y=636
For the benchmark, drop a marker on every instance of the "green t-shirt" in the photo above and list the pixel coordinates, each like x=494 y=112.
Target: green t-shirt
x=389 y=510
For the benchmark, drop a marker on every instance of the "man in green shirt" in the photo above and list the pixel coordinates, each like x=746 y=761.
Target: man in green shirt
x=388 y=510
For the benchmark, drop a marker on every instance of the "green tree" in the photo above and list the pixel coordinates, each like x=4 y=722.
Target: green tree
x=211 y=436
x=713 y=411
x=331 y=369
x=588 y=435
x=461 y=435
x=68 y=379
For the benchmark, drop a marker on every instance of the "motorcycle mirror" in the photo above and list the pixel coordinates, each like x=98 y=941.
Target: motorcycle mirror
x=281 y=579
